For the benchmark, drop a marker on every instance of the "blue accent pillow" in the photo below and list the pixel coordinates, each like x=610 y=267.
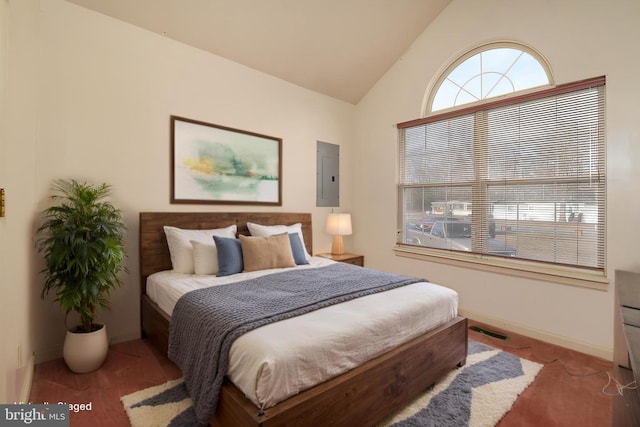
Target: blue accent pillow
x=229 y=256
x=299 y=255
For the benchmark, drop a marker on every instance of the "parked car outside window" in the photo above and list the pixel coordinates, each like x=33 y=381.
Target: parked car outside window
x=453 y=235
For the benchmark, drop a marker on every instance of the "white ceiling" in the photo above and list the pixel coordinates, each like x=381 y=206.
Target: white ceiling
x=336 y=47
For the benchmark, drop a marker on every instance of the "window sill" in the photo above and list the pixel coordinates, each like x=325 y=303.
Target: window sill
x=513 y=267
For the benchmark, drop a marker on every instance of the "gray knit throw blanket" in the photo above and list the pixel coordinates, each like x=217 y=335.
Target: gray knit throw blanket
x=205 y=322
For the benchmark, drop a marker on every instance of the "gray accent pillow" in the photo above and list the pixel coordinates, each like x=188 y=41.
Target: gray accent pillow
x=230 y=259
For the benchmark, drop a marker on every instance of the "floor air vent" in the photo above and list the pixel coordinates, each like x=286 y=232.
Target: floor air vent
x=487 y=332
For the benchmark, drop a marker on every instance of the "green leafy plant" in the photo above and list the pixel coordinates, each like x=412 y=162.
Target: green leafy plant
x=82 y=238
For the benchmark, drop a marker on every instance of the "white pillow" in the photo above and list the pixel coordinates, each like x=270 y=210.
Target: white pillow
x=181 y=249
x=270 y=230
x=205 y=258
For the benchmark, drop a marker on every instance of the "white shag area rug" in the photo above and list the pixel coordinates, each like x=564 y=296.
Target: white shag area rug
x=477 y=395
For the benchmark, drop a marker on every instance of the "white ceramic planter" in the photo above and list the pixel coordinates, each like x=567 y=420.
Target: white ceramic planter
x=85 y=352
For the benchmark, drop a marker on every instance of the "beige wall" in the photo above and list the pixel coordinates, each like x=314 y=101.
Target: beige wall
x=17 y=164
x=4 y=288
x=581 y=39
x=99 y=94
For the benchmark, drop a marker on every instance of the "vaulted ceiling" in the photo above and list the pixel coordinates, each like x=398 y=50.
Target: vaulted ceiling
x=339 y=48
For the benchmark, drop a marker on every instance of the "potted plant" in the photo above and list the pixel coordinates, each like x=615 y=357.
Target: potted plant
x=82 y=238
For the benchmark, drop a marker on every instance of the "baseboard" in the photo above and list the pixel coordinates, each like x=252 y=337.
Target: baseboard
x=559 y=340
x=24 y=379
x=56 y=352
x=125 y=337
x=50 y=354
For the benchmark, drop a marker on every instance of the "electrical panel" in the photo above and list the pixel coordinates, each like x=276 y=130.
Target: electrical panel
x=328 y=175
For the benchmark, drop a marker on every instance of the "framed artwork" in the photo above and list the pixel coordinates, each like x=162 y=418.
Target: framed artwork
x=221 y=165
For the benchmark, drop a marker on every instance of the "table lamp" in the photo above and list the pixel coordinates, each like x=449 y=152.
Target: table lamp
x=338 y=224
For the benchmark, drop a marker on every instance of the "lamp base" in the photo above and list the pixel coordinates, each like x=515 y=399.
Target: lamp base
x=337 y=248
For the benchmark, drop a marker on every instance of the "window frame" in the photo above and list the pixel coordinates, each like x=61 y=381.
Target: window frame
x=489 y=46
x=539 y=270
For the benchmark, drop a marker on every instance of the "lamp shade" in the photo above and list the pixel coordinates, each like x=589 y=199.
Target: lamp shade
x=339 y=224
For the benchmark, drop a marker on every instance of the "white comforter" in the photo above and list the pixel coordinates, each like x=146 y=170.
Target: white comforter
x=276 y=361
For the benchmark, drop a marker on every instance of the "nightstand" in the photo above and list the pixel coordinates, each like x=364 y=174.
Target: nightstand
x=346 y=257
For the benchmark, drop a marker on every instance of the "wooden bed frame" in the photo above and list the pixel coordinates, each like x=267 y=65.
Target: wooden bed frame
x=363 y=396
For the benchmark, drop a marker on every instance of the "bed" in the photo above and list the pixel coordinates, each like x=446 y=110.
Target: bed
x=364 y=395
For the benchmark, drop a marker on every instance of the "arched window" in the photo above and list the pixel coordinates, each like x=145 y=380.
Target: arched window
x=487 y=72
x=507 y=169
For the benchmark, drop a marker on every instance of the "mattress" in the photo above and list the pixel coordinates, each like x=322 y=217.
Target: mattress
x=279 y=360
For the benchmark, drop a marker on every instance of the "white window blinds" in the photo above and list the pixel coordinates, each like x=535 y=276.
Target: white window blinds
x=526 y=176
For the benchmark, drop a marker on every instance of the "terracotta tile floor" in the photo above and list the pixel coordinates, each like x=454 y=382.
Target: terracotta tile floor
x=129 y=367
x=566 y=392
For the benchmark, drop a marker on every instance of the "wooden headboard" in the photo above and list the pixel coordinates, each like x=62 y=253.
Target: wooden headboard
x=154 y=252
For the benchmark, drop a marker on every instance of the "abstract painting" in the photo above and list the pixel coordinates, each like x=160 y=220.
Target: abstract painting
x=221 y=165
